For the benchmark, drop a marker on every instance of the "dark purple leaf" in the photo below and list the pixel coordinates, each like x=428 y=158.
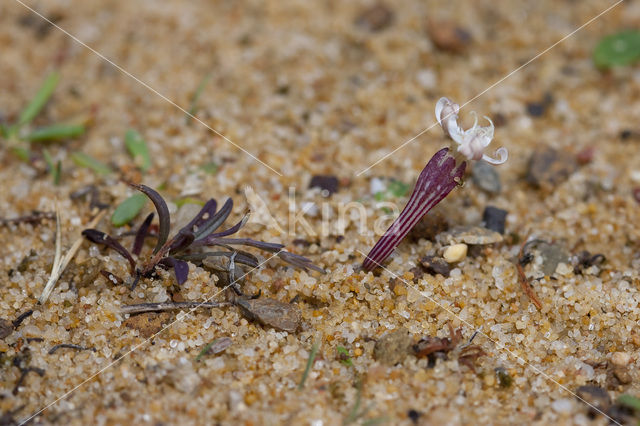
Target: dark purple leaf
x=204 y=215
x=100 y=237
x=181 y=241
x=163 y=213
x=437 y=179
x=141 y=235
x=180 y=268
x=270 y=247
x=299 y=261
x=215 y=221
x=235 y=228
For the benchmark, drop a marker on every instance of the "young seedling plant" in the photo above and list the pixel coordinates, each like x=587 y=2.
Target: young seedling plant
x=189 y=243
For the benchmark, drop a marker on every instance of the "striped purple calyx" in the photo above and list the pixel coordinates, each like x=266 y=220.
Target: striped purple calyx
x=437 y=179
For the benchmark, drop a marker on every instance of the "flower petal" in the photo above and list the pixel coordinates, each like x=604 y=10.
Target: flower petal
x=502 y=155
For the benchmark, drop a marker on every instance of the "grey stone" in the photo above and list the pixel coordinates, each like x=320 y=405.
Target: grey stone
x=486 y=177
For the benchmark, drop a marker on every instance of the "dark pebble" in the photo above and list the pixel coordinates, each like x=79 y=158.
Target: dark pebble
x=417 y=272
x=327 y=183
x=535 y=109
x=435 y=265
x=414 y=415
x=6 y=328
x=636 y=194
x=486 y=177
x=494 y=218
x=549 y=167
x=626 y=134
x=375 y=18
x=596 y=396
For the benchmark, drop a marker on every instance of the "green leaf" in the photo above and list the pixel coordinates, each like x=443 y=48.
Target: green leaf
x=128 y=209
x=55 y=169
x=188 y=200
x=40 y=99
x=630 y=401
x=345 y=354
x=210 y=168
x=84 y=160
x=618 y=49
x=56 y=132
x=399 y=189
x=4 y=130
x=193 y=107
x=138 y=149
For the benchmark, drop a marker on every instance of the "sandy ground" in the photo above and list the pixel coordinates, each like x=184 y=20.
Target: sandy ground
x=310 y=89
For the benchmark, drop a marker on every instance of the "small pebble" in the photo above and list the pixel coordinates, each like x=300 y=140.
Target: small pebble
x=549 y=167
x=486 y=177
x=455 y=253
x=535 y=109
x=620 y=359
x=596 y=396
x=270 y=312
x=327 y=183
x=393 y=347
x=636 y=194
x=435 y=265
x=562 y=406
x=375 y=18
x=6 y=328
x=494 y=219
x=447 y=36
x=552 y=255
x=474 y=235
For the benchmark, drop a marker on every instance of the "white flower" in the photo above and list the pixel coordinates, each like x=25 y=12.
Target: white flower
x=472 y=142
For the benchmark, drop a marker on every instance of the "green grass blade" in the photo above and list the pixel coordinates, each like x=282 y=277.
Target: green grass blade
x=312 y=357
x=39 y=100
x=54 y=168
x=193 y=106
x=84 y=160
x=128 y=209
x=138 y=149
x=210 y=168
x=56 y=132
x=21 y=152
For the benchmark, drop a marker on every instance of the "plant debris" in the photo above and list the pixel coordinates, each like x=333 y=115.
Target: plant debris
x=169 y=306
x=60 y=263
x=438 y=347
x=69 y=346
x=34 y=218
x=524 y=282
x=215 y=347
